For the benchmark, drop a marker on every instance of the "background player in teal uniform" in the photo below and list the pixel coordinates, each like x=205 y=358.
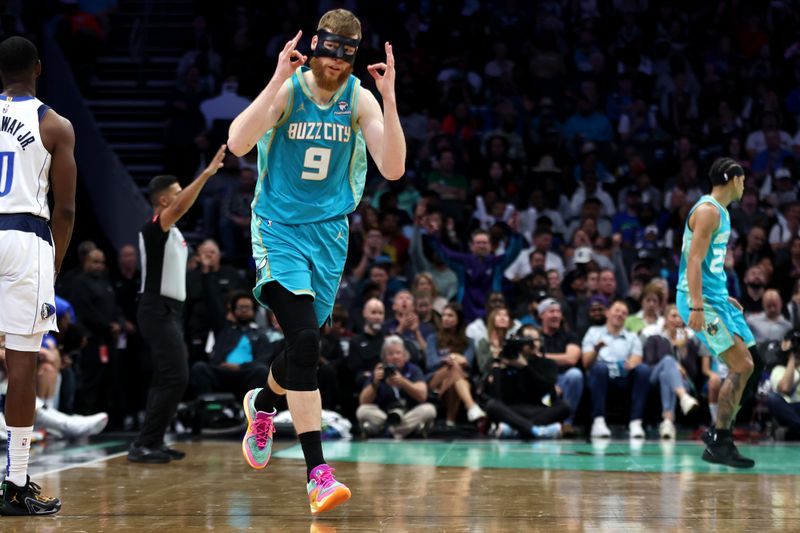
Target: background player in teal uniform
x=703 y=302
x=312 y=128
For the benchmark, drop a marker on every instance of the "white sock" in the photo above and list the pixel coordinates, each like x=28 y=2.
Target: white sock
x=713 y=407
x=19 y=447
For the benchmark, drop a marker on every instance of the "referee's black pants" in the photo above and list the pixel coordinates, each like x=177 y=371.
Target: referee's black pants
x=162 y=330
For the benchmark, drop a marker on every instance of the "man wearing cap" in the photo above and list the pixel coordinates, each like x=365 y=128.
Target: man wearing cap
x=582 y=257
x=613 y=356
x=562 y=347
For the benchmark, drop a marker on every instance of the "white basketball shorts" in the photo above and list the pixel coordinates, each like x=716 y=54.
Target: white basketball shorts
x=27 y=272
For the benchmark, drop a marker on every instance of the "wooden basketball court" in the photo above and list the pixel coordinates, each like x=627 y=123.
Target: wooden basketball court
x=421 y=486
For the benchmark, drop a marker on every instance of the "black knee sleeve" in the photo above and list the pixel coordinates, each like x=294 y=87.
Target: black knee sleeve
x=278 y=369
x=302 y=360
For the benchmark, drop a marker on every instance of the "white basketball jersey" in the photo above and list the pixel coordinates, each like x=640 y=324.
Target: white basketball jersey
x=24 y=162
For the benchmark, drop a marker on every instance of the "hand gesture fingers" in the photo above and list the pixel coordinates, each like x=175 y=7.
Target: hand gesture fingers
x=292 y=44
x=217 y=162
x=384 y=73
x=296 y=58
x=289 y=58
x=374 y=68
x=389 y=55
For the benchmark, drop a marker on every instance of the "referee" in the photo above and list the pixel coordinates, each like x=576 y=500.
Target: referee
x=164 y=256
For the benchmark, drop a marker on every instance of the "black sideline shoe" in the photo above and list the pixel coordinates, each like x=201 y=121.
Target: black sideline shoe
x=175 y=455
x=143 y=454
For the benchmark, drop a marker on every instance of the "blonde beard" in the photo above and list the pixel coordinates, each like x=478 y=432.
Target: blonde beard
x=325 y=82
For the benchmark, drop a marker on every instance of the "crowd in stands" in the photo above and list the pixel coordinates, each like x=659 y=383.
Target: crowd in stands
x=551 y=167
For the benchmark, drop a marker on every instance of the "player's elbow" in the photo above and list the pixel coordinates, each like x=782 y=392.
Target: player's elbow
x=394 y=173
x=237 y=146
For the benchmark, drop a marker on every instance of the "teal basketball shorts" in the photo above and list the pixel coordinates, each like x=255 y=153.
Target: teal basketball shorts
x=723 y=322
x=303 y=258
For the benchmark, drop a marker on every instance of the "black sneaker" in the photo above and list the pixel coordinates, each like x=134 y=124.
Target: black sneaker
x=724 y=452
x=708 y=435
x=143 y=454
x=26 y=501
x=175 y=455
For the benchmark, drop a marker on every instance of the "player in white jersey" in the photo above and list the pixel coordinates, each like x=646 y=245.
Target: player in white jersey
x=36 y=153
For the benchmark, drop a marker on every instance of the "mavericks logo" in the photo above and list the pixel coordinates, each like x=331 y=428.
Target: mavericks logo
x=48 y=310
x=344 y=108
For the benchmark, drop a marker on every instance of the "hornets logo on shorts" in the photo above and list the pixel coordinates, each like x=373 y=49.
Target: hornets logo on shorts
x=713 y=327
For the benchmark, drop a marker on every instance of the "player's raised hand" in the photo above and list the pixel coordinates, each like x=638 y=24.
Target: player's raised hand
x=289 y=59
x=216 y=163
x=384 y=74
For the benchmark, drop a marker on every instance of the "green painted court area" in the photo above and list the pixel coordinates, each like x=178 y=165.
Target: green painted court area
x=614 y=456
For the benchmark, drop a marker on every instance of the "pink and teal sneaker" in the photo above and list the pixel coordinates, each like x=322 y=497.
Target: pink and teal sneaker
x=324 y=492
x=257 y=442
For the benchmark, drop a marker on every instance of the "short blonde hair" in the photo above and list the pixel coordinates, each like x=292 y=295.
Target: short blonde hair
x=340 y=22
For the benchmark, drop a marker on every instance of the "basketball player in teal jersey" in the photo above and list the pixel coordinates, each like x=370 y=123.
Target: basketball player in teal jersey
x=703 y=302
x=312 y=128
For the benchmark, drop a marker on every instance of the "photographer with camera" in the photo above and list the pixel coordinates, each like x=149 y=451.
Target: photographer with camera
x=395 y=395
x=520 y=383
x=784 y=399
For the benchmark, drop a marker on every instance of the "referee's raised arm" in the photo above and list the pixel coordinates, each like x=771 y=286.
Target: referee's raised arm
x=185 y=198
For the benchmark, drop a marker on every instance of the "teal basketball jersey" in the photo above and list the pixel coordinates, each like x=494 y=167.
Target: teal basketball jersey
x=313 y=163
x=715 y=281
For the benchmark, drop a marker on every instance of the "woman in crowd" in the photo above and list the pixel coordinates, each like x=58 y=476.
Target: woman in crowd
x=423 y=282
x=673 y=354
x=450 y=355
x=498 y=325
